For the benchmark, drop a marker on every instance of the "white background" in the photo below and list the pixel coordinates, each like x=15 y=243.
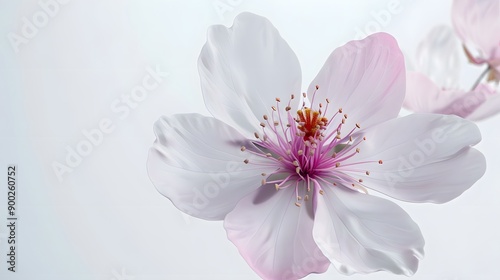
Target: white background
x=105 y=220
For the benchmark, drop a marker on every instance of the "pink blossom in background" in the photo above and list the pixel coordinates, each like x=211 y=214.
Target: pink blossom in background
x=434 y=86
x=290 y=178
x=477 y=24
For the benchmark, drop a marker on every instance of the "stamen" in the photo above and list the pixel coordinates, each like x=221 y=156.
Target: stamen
x=302 y=147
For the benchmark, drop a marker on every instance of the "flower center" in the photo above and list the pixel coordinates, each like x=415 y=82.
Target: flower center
x=310 y=122
x=307 y=150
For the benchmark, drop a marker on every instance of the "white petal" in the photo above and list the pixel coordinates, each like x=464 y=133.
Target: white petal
x=197 y=163
x=244 y=68
x=426 y=157
x=438 y=57
x=365 y=78
x=274 y=236
x=363 y=233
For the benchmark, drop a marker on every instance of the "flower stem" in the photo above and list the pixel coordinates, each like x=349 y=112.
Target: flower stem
x=481 y=77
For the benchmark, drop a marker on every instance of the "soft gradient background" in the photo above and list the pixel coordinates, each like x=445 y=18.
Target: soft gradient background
x=105 y=220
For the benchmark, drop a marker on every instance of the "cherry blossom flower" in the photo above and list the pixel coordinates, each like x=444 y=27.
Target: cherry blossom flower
x=289 y=172
x=477 y=24
x=434 y=85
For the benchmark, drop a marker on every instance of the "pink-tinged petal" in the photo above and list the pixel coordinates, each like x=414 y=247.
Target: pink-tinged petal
x=477 y=23
x=244 y=68
x=365 y=78
x=438 y=57
x=425 y=157
x=363 y=233
x=196 y=162
x=424 y=96
x=475 y=105
x=274 y=236
x=490 y=107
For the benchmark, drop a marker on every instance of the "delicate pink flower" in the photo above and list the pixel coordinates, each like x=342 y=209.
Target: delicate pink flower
x=424 y=96
x=290 y=181
x=477 y=23
x=434 y=86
